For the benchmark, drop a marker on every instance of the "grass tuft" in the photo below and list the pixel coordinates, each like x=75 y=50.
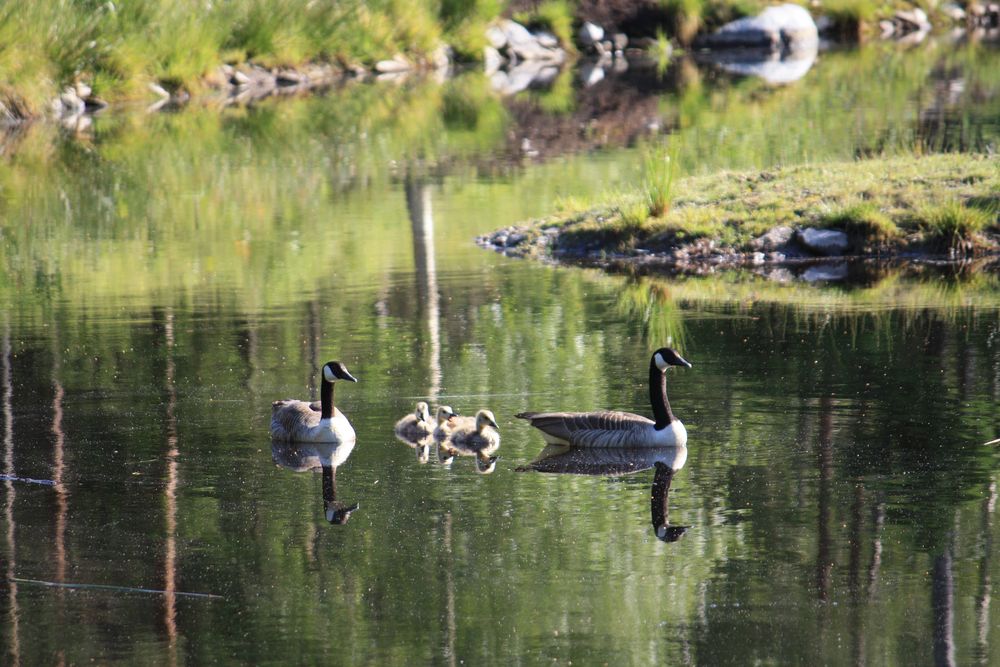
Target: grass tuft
x=863 y=221
x=954 y=227
x=659 y=171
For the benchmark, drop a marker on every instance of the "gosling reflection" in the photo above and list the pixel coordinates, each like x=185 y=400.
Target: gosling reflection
x=478 y=437
x=325 y=456
x=666 y=461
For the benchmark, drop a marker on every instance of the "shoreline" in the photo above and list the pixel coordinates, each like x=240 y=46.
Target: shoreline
x=816 y=237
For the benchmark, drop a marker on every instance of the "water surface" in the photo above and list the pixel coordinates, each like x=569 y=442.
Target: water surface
x=166 y=277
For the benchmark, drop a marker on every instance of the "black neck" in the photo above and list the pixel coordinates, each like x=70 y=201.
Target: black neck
x=329 y=484
x=658 y=396
x=659 y=500
x=326 y=399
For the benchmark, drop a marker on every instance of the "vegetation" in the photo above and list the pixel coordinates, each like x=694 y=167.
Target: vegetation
x=900 y=204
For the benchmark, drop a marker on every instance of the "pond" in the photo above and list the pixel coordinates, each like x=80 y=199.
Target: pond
x=166 y=276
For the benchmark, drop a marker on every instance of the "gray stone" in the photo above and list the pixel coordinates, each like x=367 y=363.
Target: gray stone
x=913 y=19
x=620 y=40
x=496 y=37
x=547 y=39
x=953 y=11
x=773 y=239
x=240 y=79
x=82 y=90
x=823 y=241
x=397 y=64
x=492 y=60
x=71 y=102
x=782 y=26
x=590 y=34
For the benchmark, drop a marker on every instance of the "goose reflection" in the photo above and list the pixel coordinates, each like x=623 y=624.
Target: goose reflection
x=326 y=456
x=421 y=447
x=666 y=461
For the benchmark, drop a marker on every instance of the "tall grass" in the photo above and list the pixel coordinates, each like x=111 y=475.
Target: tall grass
x=659 y=170
x=952 y=226
x=120 y=47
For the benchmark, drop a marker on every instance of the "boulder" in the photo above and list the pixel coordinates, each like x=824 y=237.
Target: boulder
x=496 y=37
x=785 y=26
x=823 y=241
x=774 y=239
x=913 y=19
x=397 y=64
x=527 y=46
x=590 y=34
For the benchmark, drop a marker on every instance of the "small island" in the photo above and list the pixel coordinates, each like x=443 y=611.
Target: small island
x=914 y=208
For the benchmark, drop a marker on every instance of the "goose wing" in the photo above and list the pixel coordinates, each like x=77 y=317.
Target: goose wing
x=606 y=428
x=290 y=416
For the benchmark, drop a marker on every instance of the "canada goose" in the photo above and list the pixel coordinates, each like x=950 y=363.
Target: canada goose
x=480 y=440
x=622 y=461
x=416 y=426
x=620 y=429
x=448 y=421
x=298 y=421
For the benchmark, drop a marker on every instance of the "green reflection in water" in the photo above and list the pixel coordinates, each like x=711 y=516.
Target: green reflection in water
x=165 y=282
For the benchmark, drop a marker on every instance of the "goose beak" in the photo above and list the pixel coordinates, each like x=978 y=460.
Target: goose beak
x=683 y=362
x=348 y=376
x=494 y=425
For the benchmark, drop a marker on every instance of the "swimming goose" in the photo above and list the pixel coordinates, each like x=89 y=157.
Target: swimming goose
x=325 y=456
x=448 y=421
x=298 y=421
x=620 y=429
x=417 y=426
x=480 y=440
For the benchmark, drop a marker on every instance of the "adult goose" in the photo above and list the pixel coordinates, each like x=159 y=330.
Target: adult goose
x=416 y=426
x=299 y=421
x=620 y=429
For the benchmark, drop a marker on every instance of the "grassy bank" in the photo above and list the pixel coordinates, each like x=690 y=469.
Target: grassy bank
x=939 y=204
x=119 y=48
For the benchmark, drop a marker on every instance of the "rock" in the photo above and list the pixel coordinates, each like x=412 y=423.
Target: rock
x=492 y=60
x=159 y=91
x=823 y=241
x=397 y=64
x=526 y=46
x=825 y=272
x=441 y=57
x=239 y=78
x=289 y=77
x=590 y=34
x=777 y=68
x=758 y=258
x=620 y=41
x=913 y=19
x=82 y=90
x=496 y=37
x=591 y=74
x=773 y=239
x=953 y=11
x=779 y=27
x=71 y=102
x=547 y=39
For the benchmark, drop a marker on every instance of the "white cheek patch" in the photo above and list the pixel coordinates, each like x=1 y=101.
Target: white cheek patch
x=660 y=363
x=328 y=374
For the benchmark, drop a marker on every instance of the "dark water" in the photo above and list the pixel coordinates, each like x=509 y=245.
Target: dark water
x=167 y=277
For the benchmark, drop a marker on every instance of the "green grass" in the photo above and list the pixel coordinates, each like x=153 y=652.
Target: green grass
x=900 y=204
x=863 y=221
x=952 y=226
x=658 y=175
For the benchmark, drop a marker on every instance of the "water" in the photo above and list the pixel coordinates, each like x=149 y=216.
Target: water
x=166 y=277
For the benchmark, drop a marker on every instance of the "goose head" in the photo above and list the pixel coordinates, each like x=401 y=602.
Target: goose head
x=485 y=418
x=338 y=513
x=336 y=370
x=667 y=356
x=423 y=413
x=444 y=413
